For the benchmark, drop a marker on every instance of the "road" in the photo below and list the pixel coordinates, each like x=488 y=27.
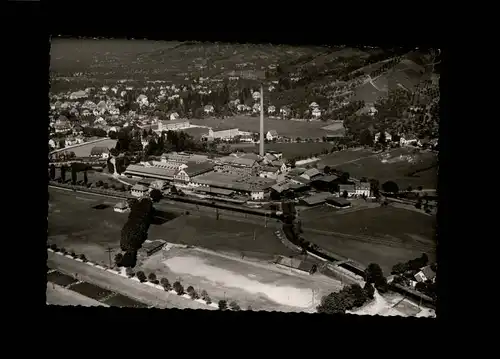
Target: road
x=57 y=295
x=130 y=288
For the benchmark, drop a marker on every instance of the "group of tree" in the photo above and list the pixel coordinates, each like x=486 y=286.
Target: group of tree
x=233 y=305
x=390 y=187
x=348 y=298
x=135 y=230
x=374 y=275
x=94 y=132
x=412 y=266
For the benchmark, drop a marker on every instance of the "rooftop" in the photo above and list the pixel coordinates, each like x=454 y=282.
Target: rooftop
x=154 y=172
x=318 y=198
x=235 y=182
x=247 y=162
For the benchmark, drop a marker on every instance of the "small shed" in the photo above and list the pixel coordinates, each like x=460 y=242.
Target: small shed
x=150 y=247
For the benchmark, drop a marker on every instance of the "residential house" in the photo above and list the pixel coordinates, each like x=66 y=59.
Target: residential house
x=142 y=100
x=313 y=105
x=349 y=188
x=325 y=183
x=173 y=125
x=121 y=207
x=363 y=188
x=269 y=172
x=426 y=273
x=222 y=135
x=316 y=112
x=139 y=190
x=158 y=184
x=208 y=109
x=53 y=143
x=388 y=137
x=310 y=173
x=256 y=108
x=271 y=135
x=78 y=95
x=271 y=88
x=70 y=141
x=242 y=107
x=174 y=116
x=256 y=95
x=99 y=152
x=285 y=111
x=271 y=109
x=407 y=140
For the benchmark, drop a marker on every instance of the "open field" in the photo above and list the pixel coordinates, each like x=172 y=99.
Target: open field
x=289 y=150
x=259 y=285
x=286 y=128
x=403 y=234
x=57 y=295
x=84 y=149
x=75 y=225
x=391 y=166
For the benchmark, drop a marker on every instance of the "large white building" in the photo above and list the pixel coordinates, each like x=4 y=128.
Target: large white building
x=223 y=134
x=173 y=125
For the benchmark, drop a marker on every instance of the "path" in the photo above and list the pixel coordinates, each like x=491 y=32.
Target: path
x=57 y=295
x=362 y=158
x=125 y=286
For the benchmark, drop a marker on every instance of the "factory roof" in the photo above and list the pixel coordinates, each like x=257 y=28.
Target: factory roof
x=196 y=168
x=155 y=172
x=235 y=182
x=346 y=187
x=329 y=178
x=225 y=192
x=311 y=172
x=247 y=162
x=338 y=200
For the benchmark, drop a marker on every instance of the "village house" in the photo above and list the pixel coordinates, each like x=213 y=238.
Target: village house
x=256 y=95
x=269 y=172
x=208 y=109
x=142 y=100
x=271 y=109
x=272 y=135
x=121 y=207
x=407 y=140
x=363 y=188
x=172 y=125
x=426 y=273
x=70 y=141
x=310 y=174
x=338 y=202
x=256 y=108
x=139 y=190
x=222 y=134
x=313 y=105
x=158 y=184
x=388 y=137
x=349 y=188
x=99 y=152
x=174 y=116
x=316 y=112
x=285 y=111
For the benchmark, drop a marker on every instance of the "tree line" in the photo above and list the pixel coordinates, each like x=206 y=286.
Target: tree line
x=135 y=230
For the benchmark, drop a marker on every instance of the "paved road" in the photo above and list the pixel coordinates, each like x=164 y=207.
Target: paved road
x=57 y=295
x=138 y=291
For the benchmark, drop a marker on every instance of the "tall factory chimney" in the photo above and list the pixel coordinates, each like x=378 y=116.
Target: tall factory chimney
x=261 y=143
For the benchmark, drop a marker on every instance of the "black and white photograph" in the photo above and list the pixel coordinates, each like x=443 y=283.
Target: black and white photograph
x=232 y=176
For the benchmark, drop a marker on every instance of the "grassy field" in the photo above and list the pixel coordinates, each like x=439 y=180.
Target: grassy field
x=75 y=225
x=289 y=150
x=400 y=227
x=252 y=124
x=363 y=163
x=84 y=150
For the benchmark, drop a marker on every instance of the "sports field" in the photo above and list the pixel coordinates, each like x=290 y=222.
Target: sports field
x=395 y=165
x=74 y=224
x=84 y=150
x=286 y=128
x=384 y=235
x=261 y=285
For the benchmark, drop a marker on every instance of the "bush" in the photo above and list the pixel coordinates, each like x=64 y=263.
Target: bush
x=166 y=284
x=152 y=278
x=53 y=246
x=249 y=308
x=204 y=294
x=130 y=272
x=222 y=304
x=63 y=250
x=179 y=289
x=73 y=254
x=141 y=276
x=118 y=259
x=83 y=258
x=234 y=306
x=369 y=290
x=207 y=300
x=190 y=289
